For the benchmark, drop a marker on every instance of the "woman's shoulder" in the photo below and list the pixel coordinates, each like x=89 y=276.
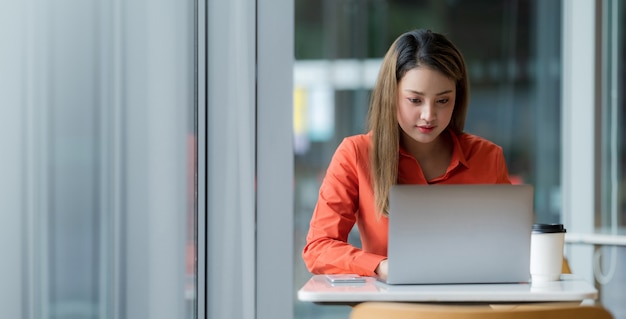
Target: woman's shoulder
x=359 y=139
x=470 y=142
x=358 y=142
x=355 y=146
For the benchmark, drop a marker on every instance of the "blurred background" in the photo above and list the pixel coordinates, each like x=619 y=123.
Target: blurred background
x=513 y=53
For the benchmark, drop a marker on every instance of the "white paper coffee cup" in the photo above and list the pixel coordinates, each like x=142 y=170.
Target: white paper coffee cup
x=546 y=252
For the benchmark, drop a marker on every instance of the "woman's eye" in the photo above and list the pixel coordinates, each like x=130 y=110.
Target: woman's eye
x=443 y=101
x=414 y=101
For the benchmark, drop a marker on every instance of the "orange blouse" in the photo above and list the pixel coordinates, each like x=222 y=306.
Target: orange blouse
x=346 y=197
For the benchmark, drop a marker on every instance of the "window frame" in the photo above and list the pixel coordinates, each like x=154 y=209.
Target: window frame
x=249 y=159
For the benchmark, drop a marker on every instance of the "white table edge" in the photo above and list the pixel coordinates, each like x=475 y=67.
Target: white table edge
x=590 y=293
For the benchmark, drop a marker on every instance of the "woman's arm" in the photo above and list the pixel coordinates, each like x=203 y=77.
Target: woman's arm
x=327 y=249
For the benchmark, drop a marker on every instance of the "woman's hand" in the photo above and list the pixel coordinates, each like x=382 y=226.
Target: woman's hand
x=381 y=270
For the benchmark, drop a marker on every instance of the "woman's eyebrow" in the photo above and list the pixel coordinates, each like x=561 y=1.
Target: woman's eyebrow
x=421 y=93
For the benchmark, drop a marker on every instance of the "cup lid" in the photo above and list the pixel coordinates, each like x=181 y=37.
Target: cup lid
x=548 y=228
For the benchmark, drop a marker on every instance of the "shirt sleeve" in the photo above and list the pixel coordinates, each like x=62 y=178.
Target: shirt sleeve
x=327 y=249
x=503 y=171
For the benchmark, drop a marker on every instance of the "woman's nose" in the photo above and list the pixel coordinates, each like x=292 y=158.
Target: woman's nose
x=428 y=112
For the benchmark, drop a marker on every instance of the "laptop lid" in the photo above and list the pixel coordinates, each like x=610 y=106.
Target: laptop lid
x=451 y=234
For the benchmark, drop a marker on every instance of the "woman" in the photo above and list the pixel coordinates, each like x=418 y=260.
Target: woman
x=416 y=119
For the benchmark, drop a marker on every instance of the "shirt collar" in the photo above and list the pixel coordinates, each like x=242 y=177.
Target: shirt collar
x=457 y=153
x=458 y=157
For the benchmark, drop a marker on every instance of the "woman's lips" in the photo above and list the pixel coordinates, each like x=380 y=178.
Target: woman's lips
x=426 y=129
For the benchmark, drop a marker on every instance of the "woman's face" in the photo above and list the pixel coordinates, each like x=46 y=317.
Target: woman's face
x=425 y=103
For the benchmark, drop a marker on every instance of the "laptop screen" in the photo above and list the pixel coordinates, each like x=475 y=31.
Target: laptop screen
x=443 y=234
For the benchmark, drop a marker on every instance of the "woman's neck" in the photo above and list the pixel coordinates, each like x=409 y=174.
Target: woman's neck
x=440 y=147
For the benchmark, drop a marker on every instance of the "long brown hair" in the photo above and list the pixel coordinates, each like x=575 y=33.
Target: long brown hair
x=410 y=50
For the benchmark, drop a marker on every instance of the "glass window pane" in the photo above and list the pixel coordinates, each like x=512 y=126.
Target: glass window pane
x=512 y=49
x=609 y=261
x=613 y=216
x=101 y=122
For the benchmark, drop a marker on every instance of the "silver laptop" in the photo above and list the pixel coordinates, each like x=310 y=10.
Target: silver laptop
x=457 y=234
